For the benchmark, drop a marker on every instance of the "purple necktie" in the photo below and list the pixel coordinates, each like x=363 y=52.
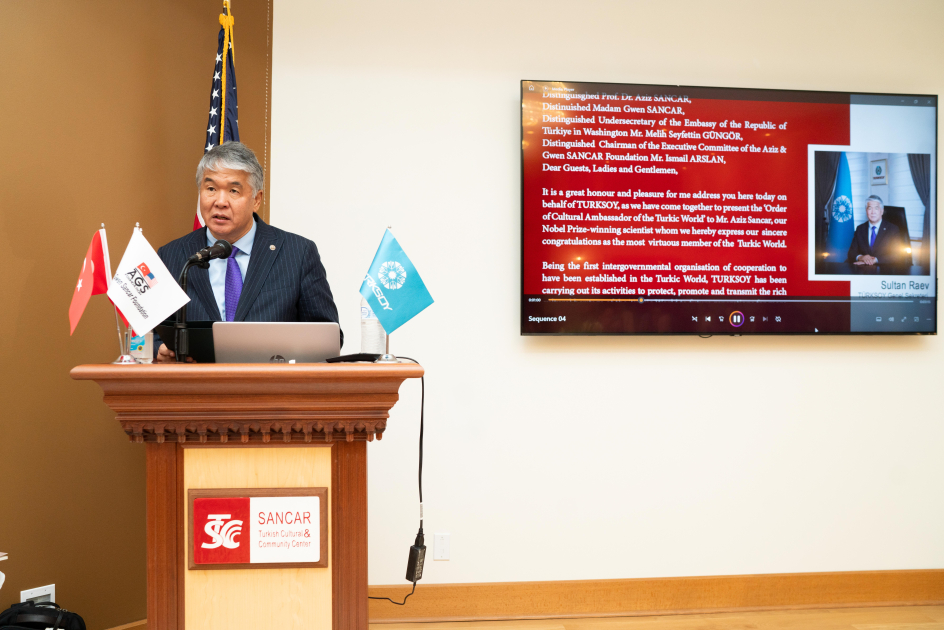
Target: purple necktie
x=234 y=286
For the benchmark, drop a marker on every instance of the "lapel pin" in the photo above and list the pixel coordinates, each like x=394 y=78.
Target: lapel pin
x=272 y=247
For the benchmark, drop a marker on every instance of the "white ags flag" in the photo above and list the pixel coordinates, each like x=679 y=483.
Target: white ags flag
x=143 y=289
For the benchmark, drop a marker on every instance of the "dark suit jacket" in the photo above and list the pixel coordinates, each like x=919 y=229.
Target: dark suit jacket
x=888 y=245
x=286 y=283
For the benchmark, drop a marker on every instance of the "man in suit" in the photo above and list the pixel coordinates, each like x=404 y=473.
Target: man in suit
x=875 y=242
x=271 y=276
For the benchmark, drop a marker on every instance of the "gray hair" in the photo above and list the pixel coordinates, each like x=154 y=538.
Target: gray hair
x=236 y=156
x=881 y=205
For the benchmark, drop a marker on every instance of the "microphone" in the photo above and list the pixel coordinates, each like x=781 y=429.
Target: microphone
x=220 y=249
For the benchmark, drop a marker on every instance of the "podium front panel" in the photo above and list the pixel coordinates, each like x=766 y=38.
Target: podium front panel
x=251 y=426
x=258 y=598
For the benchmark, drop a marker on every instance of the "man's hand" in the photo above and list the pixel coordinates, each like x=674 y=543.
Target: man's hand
x=166 y=355
x=863 y=260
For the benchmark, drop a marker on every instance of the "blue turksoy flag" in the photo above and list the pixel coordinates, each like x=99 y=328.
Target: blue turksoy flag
x=393 y=288
x=841 y=224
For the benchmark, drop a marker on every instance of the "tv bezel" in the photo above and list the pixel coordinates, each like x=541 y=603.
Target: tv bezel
x=521 y=304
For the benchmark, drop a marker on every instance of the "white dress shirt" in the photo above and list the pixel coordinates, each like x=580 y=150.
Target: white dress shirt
x=217 y=268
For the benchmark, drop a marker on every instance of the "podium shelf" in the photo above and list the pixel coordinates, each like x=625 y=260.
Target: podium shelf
x=245 y=403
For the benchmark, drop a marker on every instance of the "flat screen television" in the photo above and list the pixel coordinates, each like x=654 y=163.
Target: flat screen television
x=650 y=209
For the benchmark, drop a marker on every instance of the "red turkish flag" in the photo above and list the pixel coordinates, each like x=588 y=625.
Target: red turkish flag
x=198 y=218
x=93 y=280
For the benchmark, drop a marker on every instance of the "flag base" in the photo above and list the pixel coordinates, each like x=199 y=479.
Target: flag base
x=386 y=357
x=125 y=359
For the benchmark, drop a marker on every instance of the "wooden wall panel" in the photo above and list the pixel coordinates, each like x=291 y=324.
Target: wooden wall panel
x=102 y=94
x=611 y=598
x=258 y=598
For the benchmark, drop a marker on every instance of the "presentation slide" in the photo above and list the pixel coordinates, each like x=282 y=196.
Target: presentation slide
x=691 y=210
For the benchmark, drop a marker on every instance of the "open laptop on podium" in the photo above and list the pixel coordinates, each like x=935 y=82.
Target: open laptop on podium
x=276 y=342
x=259 y=342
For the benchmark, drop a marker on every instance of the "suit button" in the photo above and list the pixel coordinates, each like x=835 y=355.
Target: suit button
x=272 y=247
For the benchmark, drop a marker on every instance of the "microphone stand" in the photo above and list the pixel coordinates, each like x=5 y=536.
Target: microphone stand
x=181 y=333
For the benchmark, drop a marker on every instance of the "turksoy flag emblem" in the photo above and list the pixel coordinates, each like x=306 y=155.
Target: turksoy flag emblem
x=393 y=288
x=841 y=224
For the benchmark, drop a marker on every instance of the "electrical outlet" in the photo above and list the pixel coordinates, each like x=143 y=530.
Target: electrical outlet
x=41 y=594
x=440 y=546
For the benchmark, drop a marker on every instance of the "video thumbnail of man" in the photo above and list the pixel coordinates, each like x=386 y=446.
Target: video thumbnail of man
x=871 y=213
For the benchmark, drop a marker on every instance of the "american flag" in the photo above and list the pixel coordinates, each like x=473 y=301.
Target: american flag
x=223 y=94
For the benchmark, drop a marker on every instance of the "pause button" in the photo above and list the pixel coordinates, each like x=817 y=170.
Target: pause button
x=736 y=318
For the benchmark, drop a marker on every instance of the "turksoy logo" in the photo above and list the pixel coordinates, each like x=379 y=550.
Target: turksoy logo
x=392 y=275
x=842 y=209
x=384 y=302
x=222 y=532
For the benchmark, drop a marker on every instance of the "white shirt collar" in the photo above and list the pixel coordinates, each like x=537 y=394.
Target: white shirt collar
x=244 y=244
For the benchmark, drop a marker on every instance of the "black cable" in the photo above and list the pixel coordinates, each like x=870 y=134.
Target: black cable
x=422 y=410
x=397 y=603
x=419 y=475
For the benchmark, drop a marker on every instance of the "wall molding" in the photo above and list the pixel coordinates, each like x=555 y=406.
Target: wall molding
x=657 y=596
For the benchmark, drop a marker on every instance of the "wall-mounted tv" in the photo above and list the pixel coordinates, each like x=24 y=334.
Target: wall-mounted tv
x=696 y=210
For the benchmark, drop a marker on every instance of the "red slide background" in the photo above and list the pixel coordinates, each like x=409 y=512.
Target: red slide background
x=781 y=173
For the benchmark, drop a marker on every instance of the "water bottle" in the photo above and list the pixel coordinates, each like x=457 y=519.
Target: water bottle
x=373 y=337
x=141 y=347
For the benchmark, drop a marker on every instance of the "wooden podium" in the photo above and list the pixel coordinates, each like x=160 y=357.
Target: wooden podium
x=254 y=426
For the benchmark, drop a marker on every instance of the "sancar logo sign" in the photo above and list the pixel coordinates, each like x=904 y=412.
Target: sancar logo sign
x=258 y=531
x=219 y=530
x=222 y=531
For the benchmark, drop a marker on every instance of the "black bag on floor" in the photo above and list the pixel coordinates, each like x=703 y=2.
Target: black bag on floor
x=33 y=616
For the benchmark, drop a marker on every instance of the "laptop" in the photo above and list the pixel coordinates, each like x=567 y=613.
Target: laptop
x=276 y=342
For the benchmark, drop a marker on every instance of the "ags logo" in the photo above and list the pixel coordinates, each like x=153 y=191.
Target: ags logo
x=142 y=278
x=222 y=534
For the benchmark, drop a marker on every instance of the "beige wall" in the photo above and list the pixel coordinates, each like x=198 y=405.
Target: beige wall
x=103 y=111
x=103 y=108
x=573 y=458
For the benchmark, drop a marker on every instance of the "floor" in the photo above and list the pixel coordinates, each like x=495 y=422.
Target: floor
x=875 y=618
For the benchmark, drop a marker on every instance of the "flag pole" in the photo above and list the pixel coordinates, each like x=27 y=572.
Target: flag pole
x=125 y=357
x=121 y=345
x=386 y=357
